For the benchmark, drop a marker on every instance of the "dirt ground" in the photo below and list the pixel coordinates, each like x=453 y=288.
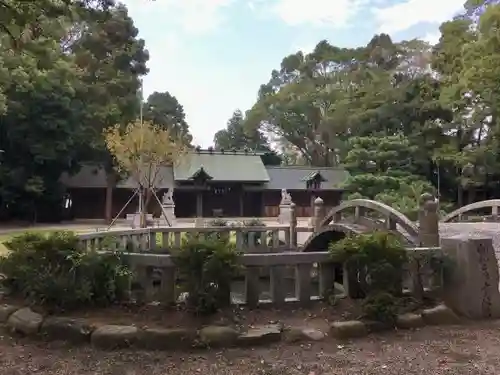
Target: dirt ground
x=317 y=316
x=470 y=350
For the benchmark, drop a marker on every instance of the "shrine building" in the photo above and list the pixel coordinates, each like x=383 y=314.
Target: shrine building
x=211 y=184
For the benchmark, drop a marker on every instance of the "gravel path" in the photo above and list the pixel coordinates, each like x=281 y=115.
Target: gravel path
x=467 y=350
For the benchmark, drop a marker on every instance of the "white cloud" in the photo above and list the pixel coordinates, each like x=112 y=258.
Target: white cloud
x=333 y=13
x=402 y=16
x=192 y=16
x=432 y=38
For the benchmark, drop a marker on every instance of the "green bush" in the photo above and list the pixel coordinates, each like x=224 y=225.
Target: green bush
x=381 y=307
x=374 y=260
x=207 y=267
x=56 y=272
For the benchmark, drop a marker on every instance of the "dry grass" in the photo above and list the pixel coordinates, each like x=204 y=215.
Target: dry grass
x=471 y=350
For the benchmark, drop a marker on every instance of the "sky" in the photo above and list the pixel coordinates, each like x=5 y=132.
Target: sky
x=213 y=55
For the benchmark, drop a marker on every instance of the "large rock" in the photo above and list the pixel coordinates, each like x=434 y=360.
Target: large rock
x=25 y=321
x=218 y=336
x=440 y=315
x=73 y=330
x=165 y=339
x=114 y=337
x=471 y=283
x=409 y=321
x=6 y=311
x=348 y=329
x=260 y=335
x=297 y=334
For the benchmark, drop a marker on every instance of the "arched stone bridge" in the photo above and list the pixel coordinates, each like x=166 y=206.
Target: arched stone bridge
x=335 y=225
x=491 y=205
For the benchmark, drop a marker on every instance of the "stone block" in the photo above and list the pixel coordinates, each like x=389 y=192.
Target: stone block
x=169 y=211
x=77 y=331
x=348 y=329
x=219 y=336
x=409 y=321
x=260 y=335
x=6 y=311
x=166 y=339
x=285 y=214
x=440 y=315
x=471 y=285
x=114 y=337
x=297 y=334
x=25 y=321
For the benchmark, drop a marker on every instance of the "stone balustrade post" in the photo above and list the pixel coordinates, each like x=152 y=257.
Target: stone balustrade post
x=319 y=213
x=470 y=286
x=284 y=208
x=293 y=226
x=428 y=219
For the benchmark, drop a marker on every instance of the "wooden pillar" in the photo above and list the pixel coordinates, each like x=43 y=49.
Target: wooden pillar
x=199 y=203
x=241 y=203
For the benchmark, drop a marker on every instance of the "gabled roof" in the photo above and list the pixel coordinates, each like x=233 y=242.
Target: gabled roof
x=91 y=176
x=201 y=174
x=314 y=175
x=228 y=166
x=296 y=177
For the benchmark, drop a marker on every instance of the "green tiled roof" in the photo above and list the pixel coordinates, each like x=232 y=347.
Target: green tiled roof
x=295 y=177
x=222 y=167
x=314 y=174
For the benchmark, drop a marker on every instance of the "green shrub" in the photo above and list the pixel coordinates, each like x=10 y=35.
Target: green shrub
x=381 y=307
x=56 y=272
x=207 y=268
x=374 y=260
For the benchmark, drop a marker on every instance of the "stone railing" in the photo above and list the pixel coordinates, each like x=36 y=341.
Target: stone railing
x=254 y=239
x=313 y=278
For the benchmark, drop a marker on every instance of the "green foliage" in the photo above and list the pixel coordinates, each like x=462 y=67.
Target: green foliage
x=375 y=260
x=381 y=307
x=164 y=110
x=207 y=268
x=56 y=272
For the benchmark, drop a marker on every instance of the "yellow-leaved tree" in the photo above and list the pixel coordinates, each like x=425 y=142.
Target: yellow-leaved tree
x=140 y=150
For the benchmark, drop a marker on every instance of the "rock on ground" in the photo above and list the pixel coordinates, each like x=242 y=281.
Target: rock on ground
x=217 y=336
x=260 y=335
x=164 y=338
x=25 y=321
x=114 y=337
x=72 y=330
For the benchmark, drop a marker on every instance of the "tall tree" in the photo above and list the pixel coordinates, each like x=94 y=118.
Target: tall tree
x=164 y=110
x=235 y=136
x=41 y=131
x=112 y=59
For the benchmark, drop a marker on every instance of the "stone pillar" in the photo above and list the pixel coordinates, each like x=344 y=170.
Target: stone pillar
x=284 y=214
x=293 y=226
x=319 y=214
x=168 y=210
x=428 y=219
x=470 y=287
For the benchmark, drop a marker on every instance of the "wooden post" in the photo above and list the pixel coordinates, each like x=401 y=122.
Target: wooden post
x=319 y=213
